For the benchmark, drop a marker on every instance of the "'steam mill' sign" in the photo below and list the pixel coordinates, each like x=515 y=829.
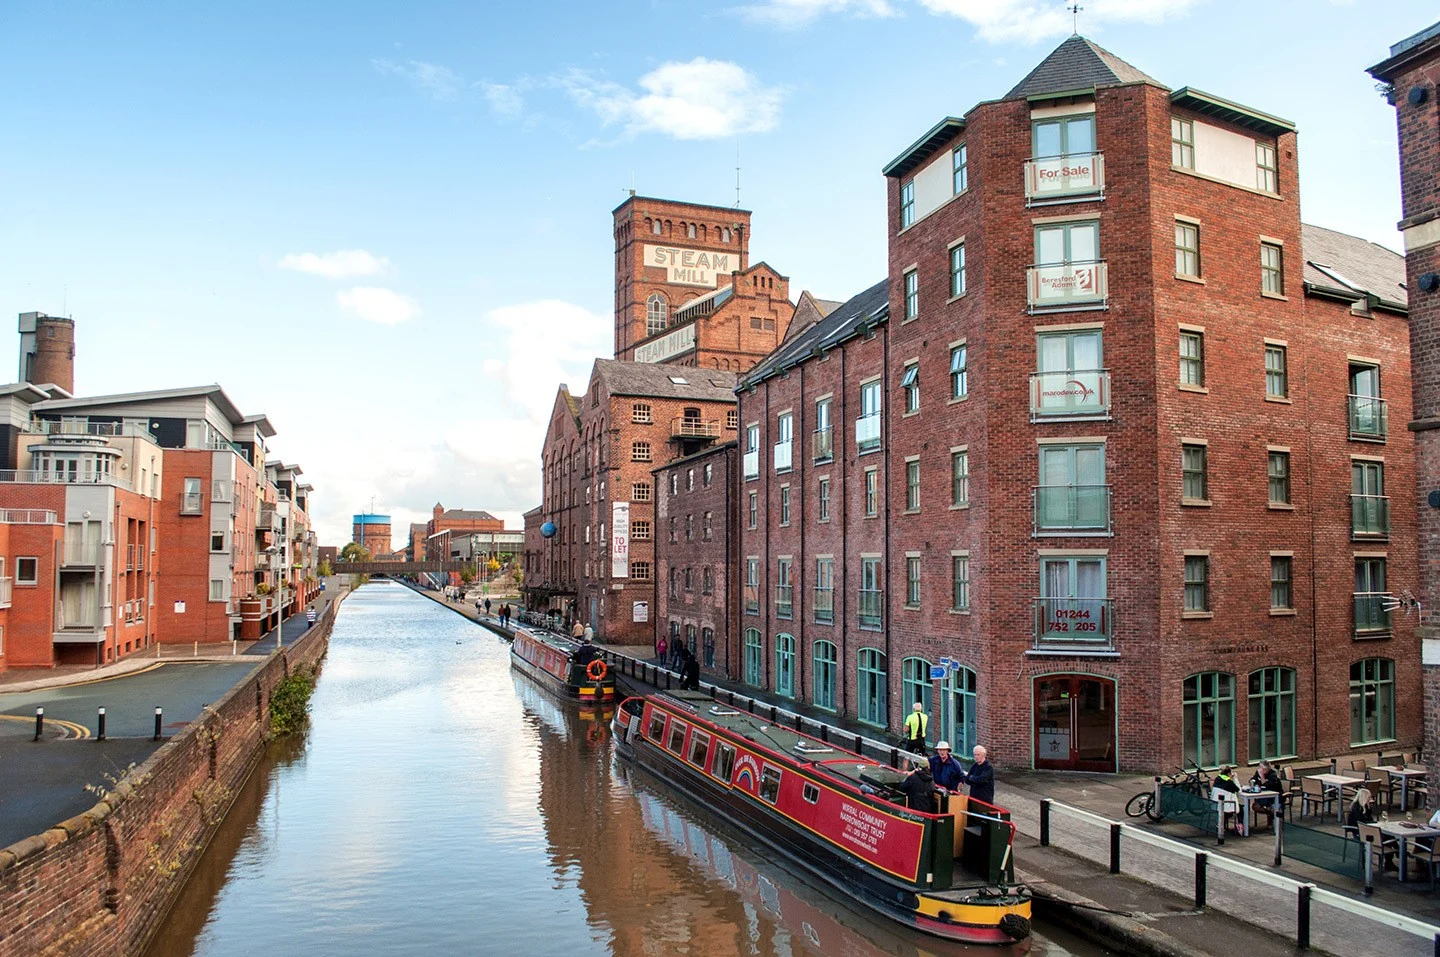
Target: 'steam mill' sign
x=690 y=267
x=667 y=346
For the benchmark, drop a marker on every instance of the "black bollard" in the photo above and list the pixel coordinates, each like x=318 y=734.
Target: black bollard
x=158 y=717
x=39 y=722
x=101 y=735
x=1302 y=915
x=1201 y=860
x=1044 y=822
x=1114 y=848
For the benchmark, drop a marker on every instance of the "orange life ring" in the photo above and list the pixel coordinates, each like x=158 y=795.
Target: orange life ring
x=596 y=670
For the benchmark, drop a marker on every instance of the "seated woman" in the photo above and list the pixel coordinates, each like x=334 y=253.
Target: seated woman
x=1362 y=811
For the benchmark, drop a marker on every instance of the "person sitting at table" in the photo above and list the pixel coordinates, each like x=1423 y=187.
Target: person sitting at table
x=1362 y=811
x=1266 y=779
x=1225 y=780
x=1221 y=788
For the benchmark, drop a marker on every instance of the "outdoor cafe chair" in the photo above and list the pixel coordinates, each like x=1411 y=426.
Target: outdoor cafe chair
x=1421 y=853
x=1227 y=806
x=1382 y=847
x=1358 y=764
x=1383 y=785
x=1313 y=792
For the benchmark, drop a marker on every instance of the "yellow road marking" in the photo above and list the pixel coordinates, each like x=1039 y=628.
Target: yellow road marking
x=72 y=729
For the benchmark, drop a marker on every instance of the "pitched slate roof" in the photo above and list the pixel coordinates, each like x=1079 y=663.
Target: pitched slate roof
x=657 y=380
x=844 y=321
x=1078 y=64
x=1339 y=264
x=468 y=515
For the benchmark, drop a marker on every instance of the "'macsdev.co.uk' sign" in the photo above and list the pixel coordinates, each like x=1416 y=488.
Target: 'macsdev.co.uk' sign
x=690 y=267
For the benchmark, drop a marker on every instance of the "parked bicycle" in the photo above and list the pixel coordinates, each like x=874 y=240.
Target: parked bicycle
x=1193 y=781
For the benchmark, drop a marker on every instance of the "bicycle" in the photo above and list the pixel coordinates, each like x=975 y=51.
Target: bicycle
x=1194 y=781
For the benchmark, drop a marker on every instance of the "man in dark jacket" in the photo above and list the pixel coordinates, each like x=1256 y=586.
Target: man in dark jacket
x=981 y=777
x=946 y=771
x=690 y=672
x=919 y=789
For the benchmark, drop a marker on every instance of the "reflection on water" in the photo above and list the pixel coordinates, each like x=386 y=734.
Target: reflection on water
x=440 y=803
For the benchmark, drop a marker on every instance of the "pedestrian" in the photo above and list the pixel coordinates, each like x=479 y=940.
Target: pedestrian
x=981 y=777
x=690 y=673
x=945 y=768
x=505 y=616
x=661 y=648
x=577 y=631
x=589 y=632
x=919 y=789
x=917 y=722
x=487 y=606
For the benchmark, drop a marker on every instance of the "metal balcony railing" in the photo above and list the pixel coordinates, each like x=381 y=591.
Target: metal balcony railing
x=752 y=600
x=45 y=477
x=1057 y=178
x=784 y=455
x=823 y=443
x=81 y=553
x=1368 y=418
x=28 y=516
x=1371 y=618
x=1070 y=394
x=1072 y=285
x=691 y=428
x=750 y=463
x=191 y=503
x=867 y=432
x=7 y=585
x=824 y=605
x=784 y=601
x=1069 y=623
x=1369 y=516
x=872 y=608
x=1068 y=509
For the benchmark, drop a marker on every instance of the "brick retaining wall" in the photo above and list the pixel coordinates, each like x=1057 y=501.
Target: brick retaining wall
x=101 y=882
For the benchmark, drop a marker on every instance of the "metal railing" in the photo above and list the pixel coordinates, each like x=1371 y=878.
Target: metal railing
x=1371 y=618
x=1369 y=516
x=7 y=586
x=28 y=516
x=691 y=428
x=784 y=601
x=109 y=429
x=871 y=608
x=824 y=604
x=1071 y=508
x=784 y=455
x=192 y=503
x=1368 y=418
x=1060 y=286
x=81 y=553
x=750 y=463
x=1070 y=393
x=1070 y=623
x=823 y=444
x=1054 y=178
x=46 y=477
x=867 y=432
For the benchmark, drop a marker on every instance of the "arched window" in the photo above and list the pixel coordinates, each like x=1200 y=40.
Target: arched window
x=707 y=639
x=957 y=710
x=655 y=226
x=1372 y=701
x=689 y=230
x=725 y=234
x=657 y=312
x=785 y=664
x=690 y=636
x=914 y=685
x=1209 y=719
x=754 y=658
x=1271 y=708
x=822 y=673
x=871 y=686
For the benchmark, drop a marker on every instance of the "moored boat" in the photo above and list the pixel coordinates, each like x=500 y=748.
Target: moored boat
x=567 y=668
x=838 y=815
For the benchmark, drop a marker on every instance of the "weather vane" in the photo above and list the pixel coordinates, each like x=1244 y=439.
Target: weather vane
x=1075 y=9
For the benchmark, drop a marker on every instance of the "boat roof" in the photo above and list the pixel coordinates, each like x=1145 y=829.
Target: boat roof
x=566 y=646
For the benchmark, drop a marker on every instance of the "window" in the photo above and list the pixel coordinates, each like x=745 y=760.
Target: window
x=959 y=372
x=1187 y=249
x=699 y=748
x=1267 y=173
x=655 y=226
x=724 y=761
x=732 y=420
x=640 y=412
x=1073 y=603
x=674 y=592
x=867 y=427
x=707 y=527
x=708 y=474
x=872 y=493
x=754 y=509
x=872 y=683
x=784 y=591
x=957 y=710
x=1070 y=379
x=823 y=501
x=810 y=793
x=915 y=685
x=677 y=736
x=752 y=586
x=957 y=270
x=1072 y=494
x=217 y=541
x=1281 y=576
x=725 y=234
x=640 y=491
x=823 y=693
x=640 y=452
x=754 y=660
x=657 y=312
x=689 y=579
x=674 y=483
x=1369 y=505
x=1372 y=701
x=1277 y=381
x=1209 y=719
x=657 y=726
x=1272 y=713
x=960 y=164
x=708 y=582
x=1065 y=136
x=1193 y=487
x=1272 y=271
x=825 y=590
x=960 y=478
x=1197 y=583
x=640 y=530
x=912 y=486
x=784 y=505
x=1192 y=359
x=769 y=785
x=1182 y=143
x=191 y=500
x=217 y=589
x=1367 y=409
x=960 y=582
x=824 y=438
x=689 y=480
x=752 y=437
x=1067 y=243
x=689 y=528
x=27 y=571
x=689 y=230
x=707 y=635
x=910 y=384
x=640 y=571
x=1278 y=469
x=872 y=596
x=912 y=295
x=907 y=204
x=785 y=664
x=912 y=581
x=1371 y=618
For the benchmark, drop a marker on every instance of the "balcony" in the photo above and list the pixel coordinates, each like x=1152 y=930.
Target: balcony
x=692 y=428
x=784 y=601
x=1070 y=394
x=1074 y=625
x=824 y=605
x=1371 y=618
x=269 y=520
x=47 y=477
x=784 y=455
x=81 y=554
x=1072 y=509
x=1368 y=418
x=7 y=585
x=867 y=432
x=750 y=464
x=192 y=503
x=28 y=516
x=1058 y=287
x=263 y=561
x=872 y=609
x=1369 y=516
x=823 y=444
x=1064 y=179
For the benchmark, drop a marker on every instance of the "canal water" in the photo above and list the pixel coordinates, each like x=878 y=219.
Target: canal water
x=440 y=803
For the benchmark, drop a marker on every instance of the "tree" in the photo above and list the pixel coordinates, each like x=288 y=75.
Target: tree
x=467 y=574
x=354 y=552
x=325 y=571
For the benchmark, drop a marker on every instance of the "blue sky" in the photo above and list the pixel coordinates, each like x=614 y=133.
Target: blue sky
x=387 y=225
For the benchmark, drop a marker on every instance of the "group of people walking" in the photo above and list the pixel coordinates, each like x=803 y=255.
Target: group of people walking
x=677 y=657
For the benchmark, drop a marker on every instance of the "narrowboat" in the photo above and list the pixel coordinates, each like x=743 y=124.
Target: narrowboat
x=562 y=666
x=838 y=815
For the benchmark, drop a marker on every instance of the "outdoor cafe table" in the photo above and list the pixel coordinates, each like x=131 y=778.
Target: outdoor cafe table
x=1404 y=832
x=1339 y=782
x=1246 y=797
x=1405 y=774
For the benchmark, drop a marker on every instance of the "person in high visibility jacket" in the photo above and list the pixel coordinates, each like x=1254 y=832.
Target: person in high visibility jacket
x=917 y=722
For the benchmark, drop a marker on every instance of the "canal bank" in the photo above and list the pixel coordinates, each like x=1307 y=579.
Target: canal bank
x=110 y=874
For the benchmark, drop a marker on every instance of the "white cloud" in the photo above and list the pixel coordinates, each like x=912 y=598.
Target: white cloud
x=797 y=13
x=441 y=82
x=504 y=98
x=337 y=265
x=1029 y=21
x=701 y=99
x=378 y=304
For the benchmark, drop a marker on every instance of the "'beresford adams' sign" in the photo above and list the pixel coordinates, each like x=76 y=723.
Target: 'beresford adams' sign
x=691 y=267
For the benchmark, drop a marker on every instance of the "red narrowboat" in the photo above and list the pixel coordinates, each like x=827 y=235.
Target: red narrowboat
x=567 y=668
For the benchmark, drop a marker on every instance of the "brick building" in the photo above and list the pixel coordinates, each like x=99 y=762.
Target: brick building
x=447 y=522
x=1412 y=77
x=372 y=533
x=1124 y=461
x=696 y=503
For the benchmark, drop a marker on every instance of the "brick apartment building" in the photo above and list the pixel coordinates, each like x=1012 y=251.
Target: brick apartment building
x=696 y=602
x=1124 y=460
x=1412 y=77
